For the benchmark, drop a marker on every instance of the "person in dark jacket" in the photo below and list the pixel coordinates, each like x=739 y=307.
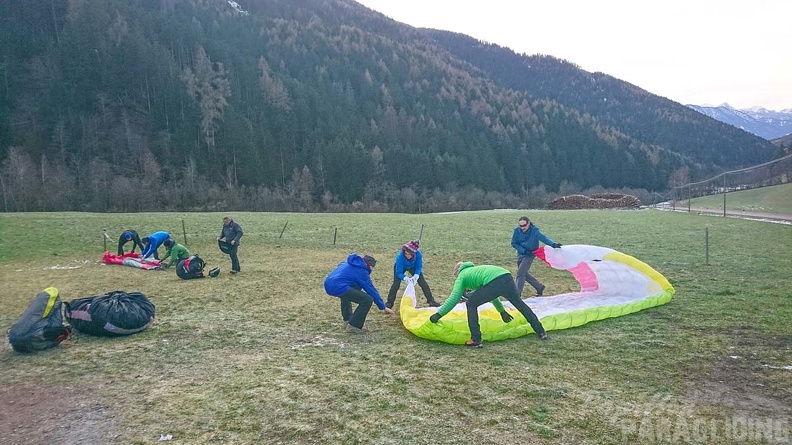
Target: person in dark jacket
x=525 y=240
x=351 y=282
x=409 y=259
x=486 y=283
x=152 y=242
x=127 y=236
x=231 y=233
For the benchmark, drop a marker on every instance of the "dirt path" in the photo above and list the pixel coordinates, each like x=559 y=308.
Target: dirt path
x=738 y=214
x=53 y=414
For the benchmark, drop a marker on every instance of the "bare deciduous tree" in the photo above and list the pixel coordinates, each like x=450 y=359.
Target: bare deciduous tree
x=208 y=85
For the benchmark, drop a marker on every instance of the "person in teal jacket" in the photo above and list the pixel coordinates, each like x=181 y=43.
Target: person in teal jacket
x=409 y=259
x=175 y=251
x=525 y=239
x=486 y=284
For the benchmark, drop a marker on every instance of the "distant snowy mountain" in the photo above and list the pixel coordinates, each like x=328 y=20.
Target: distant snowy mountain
x=764 y=123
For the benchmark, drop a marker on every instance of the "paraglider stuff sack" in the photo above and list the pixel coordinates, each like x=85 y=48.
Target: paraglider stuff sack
x=112 y=314
x=225 y=246
x=190 y=268
x=78 y=313
x=41 y=325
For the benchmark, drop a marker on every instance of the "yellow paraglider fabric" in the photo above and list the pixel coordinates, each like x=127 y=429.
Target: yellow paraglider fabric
x=612 y=284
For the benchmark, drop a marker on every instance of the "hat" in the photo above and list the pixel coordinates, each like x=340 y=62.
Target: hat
x=370 y=261
x=169 y=243
x=128 y=236
x=410 y=246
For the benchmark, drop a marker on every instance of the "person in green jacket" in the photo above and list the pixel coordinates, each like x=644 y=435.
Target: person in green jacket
x=486 y=284
x=175 y=251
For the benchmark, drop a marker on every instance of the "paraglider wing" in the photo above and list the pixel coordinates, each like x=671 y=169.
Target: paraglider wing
x=132 y=260
x=612 y=284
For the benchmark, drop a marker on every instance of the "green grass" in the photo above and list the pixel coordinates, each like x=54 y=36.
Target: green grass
x=262 y=358
x=775 y=199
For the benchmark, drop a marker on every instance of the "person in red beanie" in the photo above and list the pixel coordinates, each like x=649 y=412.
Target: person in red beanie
x=409 y=259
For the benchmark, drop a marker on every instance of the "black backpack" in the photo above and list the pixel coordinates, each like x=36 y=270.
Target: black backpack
x=112 y=314
x=190 y=268
x=41 y=325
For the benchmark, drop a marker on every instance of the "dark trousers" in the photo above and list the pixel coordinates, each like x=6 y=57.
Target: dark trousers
x=232 y=252
x=523 y=266
x=397 y=283
x=364 y=302
x=503 y=286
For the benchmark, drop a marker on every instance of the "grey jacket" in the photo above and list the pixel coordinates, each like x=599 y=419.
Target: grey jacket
x=231 y=232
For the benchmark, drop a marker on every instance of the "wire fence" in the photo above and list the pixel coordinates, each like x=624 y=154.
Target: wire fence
x=770 y=173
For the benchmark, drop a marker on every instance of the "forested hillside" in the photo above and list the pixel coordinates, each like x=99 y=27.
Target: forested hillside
x=618 y=104
x=130 y=105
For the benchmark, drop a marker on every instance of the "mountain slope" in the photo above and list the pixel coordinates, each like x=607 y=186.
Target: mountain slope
x=250 y=103
x=629 y=109
x=764 y=123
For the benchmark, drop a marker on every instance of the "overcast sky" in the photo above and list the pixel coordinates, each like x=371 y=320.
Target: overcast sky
x=702 y=52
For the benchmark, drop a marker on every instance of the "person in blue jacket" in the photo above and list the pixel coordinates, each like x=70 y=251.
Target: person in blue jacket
x=525 y=240
x=351 y=282
x=152 y=242
x=409 y=259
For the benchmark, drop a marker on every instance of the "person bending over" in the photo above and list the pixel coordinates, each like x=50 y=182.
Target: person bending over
x=351 y=282
x=486 y=283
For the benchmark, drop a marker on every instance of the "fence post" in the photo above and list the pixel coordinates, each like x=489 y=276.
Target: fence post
x=724 y=195
x=184 y=231
x=706 y=246
x=104 y=238
x=284 y=229
x=689 y=199
x=335 y=234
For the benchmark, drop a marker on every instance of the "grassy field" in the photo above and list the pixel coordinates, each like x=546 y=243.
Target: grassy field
x=776 y=199
x=261 y=357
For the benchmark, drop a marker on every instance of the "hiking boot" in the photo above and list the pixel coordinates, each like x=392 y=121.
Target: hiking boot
x=234 y=271
x=474 y=344
x=543 y=336
x=353 y=330
x=540 y=291
x=214 y=272
x=433 y=303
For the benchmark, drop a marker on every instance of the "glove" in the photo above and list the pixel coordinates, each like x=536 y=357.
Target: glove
x=435 y=317
x=415 y=278
x=506 y=317
x=556 y=246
